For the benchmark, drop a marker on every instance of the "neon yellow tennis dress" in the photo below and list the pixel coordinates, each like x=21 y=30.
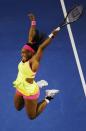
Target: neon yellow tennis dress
x=24 y=71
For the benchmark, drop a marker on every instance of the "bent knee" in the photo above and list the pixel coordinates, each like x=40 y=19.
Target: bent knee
x=18 y=107
x=31 y=116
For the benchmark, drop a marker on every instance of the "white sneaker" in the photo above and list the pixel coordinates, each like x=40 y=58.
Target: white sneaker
x=52 y=93
x=42 y=83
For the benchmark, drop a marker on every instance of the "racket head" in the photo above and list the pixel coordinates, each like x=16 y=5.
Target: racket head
x=74 y=14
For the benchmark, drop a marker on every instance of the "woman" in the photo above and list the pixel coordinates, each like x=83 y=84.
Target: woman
x=27 y=90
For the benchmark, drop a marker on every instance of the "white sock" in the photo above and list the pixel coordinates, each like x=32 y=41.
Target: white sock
x=47 y=101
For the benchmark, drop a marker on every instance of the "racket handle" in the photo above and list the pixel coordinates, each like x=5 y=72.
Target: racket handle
x=58 y=29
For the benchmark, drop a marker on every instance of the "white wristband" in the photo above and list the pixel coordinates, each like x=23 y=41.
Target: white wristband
x=51 y=35
x=58 y=29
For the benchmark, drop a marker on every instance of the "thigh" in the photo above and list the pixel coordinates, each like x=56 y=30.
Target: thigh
x=18 y=101
x=31 y=107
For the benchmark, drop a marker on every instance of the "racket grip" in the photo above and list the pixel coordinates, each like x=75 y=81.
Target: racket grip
x=58 y=29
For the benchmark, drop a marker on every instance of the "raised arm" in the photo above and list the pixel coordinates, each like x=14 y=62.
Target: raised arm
x=45 y=44
x=32 y=30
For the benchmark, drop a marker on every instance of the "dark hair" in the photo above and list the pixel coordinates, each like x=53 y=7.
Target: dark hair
x=37 y=40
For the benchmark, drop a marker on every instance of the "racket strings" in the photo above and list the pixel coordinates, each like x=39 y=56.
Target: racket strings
x=75 y=14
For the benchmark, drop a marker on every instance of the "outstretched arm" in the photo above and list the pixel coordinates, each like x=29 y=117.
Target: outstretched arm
x=45 y=44
x=37 y=57
x=32 y=30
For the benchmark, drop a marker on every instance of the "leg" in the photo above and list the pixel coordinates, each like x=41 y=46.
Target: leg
x=40 y=107
x=33 y=109
x=49 y=96
x=18 y=102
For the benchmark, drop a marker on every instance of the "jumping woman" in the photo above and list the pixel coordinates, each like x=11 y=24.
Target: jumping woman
x=27 y=90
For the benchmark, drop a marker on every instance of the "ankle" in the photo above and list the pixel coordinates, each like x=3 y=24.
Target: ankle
x=48 y=99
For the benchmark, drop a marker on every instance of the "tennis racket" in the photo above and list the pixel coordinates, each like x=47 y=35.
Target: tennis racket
x=73 y=15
